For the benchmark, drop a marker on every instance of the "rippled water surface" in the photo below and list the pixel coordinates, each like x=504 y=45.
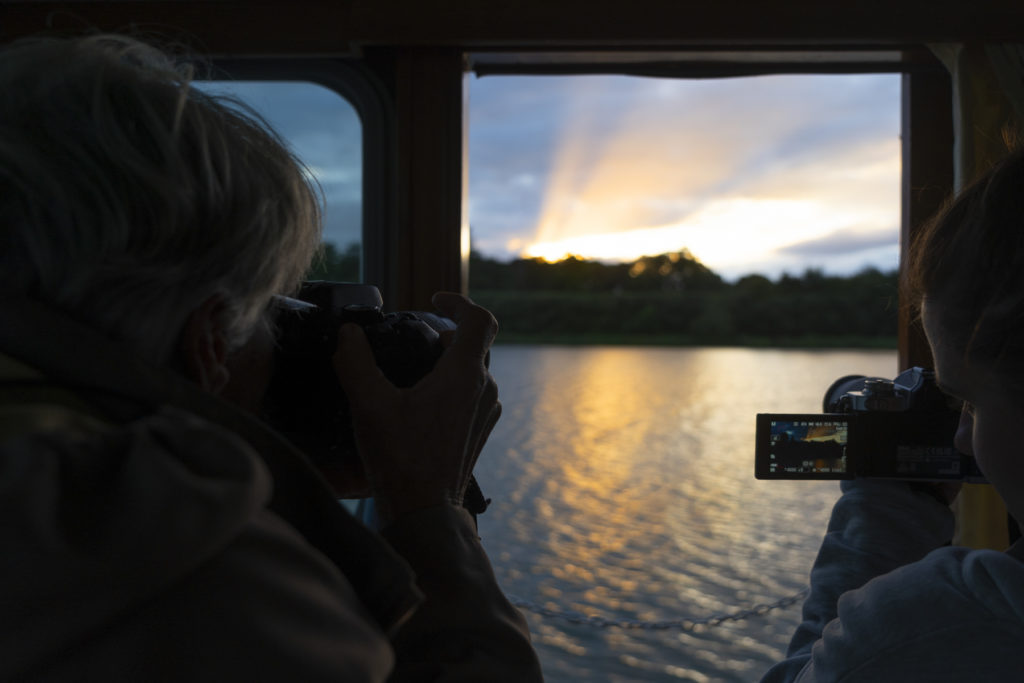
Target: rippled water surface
x=623 y=487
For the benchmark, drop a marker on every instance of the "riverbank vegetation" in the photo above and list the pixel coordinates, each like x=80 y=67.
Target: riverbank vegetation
x=671 y=299
x=674 y=299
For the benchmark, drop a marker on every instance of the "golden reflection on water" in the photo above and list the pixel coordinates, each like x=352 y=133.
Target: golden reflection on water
x=623 y=486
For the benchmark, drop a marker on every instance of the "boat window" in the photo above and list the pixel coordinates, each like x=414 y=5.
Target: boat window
x=762 y=174
x=777 y=197
x=666 y=259
x=324 y=131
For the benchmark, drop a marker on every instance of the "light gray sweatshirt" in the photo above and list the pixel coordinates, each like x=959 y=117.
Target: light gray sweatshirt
x=890 y=602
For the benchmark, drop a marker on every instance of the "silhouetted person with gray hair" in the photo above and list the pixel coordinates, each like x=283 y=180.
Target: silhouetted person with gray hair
x=152 y=528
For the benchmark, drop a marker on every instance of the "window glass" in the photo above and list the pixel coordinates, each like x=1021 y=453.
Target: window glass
x=324 y=131
x=760 y=175
x=666 y=259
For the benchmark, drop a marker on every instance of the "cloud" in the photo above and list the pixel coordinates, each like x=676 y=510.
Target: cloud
x=323 y=129
x=343 y=223
x=843 y=242
x=562 y=158
x=611 y=154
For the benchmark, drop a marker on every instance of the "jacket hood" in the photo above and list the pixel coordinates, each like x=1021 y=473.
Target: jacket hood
x=95 y=524
x=118 y=478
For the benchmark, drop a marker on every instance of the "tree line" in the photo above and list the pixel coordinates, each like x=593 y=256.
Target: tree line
x=670 y=299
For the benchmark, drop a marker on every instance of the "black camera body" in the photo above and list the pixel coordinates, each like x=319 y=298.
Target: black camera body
x=304 y=400
x=872 y=427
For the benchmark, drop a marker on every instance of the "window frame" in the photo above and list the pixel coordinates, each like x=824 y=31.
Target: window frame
x=411 y=103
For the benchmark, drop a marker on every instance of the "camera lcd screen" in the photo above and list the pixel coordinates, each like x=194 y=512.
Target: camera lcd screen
x=803 y=447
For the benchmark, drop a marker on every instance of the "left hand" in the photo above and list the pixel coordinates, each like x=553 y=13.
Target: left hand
x=419 y=445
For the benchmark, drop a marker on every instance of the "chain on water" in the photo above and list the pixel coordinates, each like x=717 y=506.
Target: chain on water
x=682 y=624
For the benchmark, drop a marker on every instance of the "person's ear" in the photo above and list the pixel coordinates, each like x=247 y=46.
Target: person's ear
x=203 y=346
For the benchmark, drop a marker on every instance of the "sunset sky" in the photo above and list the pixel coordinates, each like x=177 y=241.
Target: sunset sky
x=765 y=175
x=768 y=175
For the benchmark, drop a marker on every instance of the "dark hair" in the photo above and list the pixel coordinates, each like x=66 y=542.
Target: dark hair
x=969 y=262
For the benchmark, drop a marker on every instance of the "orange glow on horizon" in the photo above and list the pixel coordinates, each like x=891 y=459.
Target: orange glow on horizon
x=637 y=190
x=727 y=232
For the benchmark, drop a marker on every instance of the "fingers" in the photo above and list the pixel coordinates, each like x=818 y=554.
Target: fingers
x=419 y=444
x=487 y=415
x=476 y=327
x=447 y=337
x=492 y=419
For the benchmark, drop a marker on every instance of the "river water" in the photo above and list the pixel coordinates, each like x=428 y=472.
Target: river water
x=622 y=486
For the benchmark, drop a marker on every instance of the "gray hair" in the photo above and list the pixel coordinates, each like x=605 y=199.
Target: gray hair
x=128 y=197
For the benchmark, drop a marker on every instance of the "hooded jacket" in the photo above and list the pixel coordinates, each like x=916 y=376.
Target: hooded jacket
x=891 y=601
x=152 y=532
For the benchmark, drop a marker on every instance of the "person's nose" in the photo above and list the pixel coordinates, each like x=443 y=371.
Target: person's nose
x=963 y=440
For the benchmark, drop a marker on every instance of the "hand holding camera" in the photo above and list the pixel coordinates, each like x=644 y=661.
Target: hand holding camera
x=872 y=427
x=419 y=444
x=394 y=405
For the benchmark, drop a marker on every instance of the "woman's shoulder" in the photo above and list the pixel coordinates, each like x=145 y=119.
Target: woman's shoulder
x=995 y=578
x=954 y=615
x=953 y=582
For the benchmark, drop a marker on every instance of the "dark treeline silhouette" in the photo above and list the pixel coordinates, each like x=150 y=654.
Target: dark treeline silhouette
x=675 y=299
x=338 y=265
x=667 y=299
x=665 y=273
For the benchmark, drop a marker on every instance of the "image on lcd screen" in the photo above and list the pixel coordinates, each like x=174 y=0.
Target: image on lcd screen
x=813 y=446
